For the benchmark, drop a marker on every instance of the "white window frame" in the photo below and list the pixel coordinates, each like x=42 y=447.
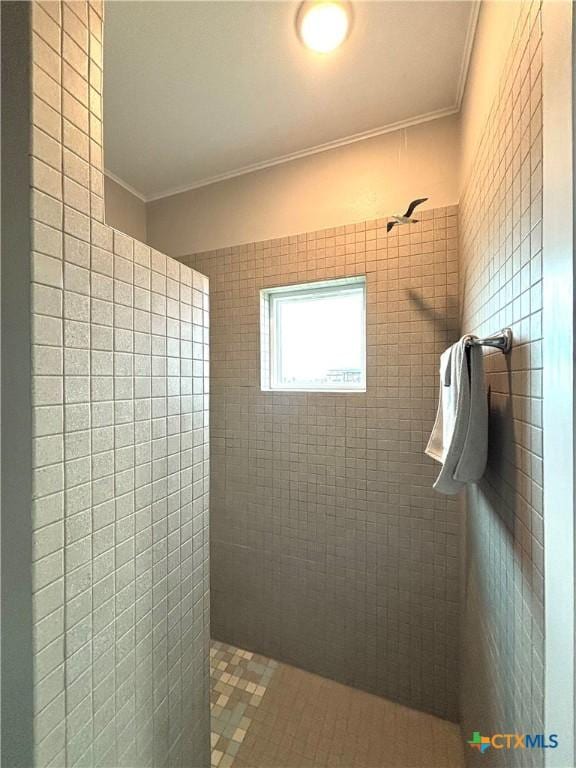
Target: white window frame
x=269 y=348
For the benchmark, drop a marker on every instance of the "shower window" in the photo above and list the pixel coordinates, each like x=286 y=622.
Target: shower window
x=314 y=336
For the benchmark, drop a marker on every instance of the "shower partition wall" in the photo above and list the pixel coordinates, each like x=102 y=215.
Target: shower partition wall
x=119 y=340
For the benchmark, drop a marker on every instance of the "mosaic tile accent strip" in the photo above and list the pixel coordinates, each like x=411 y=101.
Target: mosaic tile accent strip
x=239 y=680
x=329 y=548
x=501 y=250
x=305 y=721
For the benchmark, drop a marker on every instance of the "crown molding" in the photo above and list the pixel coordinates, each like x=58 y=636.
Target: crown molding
x=346 y=140
x=467 y=53
x=125 y=185
x=380 y=131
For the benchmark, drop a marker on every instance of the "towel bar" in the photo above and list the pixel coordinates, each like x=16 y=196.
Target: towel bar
x=501 y=341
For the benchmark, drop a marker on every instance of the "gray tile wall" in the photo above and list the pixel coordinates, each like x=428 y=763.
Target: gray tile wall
x=329 y=548
x=120 y=446
x=501 y=281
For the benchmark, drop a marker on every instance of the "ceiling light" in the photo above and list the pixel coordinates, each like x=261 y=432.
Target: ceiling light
x=323 y=26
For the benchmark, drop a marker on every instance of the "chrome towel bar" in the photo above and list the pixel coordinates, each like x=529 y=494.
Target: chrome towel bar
x=501 y=341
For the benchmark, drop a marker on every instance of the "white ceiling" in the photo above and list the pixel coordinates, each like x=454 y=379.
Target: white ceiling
x=197 y=91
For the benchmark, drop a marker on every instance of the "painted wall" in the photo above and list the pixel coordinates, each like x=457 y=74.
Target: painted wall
x=501 y=285
x=124 y=211
x=366 y=180
x=119 y=444
x=330 y=549
x=494 y=32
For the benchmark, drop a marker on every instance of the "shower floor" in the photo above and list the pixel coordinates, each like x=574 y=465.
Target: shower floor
x=269 y=715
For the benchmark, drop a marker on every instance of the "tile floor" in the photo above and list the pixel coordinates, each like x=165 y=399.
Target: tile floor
x=269 y=715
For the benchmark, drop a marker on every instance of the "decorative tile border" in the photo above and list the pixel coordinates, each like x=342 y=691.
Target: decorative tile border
x=239 y=681
x=266 y=714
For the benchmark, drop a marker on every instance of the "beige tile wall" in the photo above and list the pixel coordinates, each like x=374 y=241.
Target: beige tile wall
x=329 y=548
x=501 y=284
x=120 y=508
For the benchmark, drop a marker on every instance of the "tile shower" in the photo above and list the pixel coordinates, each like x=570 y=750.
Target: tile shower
x=329 y=549
x=337 y=582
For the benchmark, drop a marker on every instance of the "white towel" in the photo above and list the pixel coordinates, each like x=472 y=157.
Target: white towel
x=459 y=439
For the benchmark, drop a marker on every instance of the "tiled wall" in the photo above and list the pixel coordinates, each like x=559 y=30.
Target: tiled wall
x=330 y=549
x=501 y=284
x=120 y=509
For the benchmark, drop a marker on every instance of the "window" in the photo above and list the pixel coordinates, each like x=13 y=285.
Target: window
x=314 y=336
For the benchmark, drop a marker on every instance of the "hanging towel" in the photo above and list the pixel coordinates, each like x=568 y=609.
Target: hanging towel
x=459 y=439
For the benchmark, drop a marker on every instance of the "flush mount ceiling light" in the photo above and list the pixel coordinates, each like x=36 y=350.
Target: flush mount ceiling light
x=323 y=25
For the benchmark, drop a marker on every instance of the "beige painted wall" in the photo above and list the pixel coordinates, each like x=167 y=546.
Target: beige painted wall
x=366 y=180
x=124 y=211
x=496 y=24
